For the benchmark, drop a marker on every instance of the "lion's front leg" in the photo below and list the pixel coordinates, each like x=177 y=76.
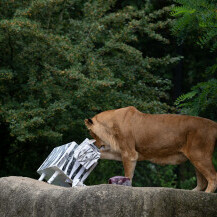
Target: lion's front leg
x=129 y=167
x=129 y=163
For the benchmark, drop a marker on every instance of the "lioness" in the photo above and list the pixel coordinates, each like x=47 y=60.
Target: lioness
x=129 y=135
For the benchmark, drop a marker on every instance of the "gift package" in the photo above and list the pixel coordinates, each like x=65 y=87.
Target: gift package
x=70 y=164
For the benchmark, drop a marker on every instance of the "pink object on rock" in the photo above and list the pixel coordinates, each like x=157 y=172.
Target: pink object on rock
x=120 y=180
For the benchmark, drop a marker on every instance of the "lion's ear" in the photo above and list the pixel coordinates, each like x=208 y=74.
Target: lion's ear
x=88 y=122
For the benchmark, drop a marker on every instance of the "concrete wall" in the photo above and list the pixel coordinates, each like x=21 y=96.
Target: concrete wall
x=25 y=197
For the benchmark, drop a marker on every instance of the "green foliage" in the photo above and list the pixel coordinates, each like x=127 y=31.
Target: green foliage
x=65 y=70
x=203 y=17
x=201 y=101
x=146 y=174
x=156 y=175
x=186 y=176
x=196 y=14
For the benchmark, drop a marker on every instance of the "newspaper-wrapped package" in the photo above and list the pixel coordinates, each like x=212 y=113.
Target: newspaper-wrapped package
x=70 y=164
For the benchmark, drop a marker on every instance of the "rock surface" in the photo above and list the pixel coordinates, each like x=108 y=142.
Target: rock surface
x=25 y=197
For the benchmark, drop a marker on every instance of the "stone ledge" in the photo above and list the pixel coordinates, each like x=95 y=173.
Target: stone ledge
x=25 y=197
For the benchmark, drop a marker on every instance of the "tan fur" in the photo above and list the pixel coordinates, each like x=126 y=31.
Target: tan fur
x=130 y=136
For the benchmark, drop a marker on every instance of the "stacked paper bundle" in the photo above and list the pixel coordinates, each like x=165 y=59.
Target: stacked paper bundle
x=70 y=164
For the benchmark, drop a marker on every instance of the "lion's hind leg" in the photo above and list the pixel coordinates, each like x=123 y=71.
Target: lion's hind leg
x=201 y=181
x=203 y=163
x=199 y=150
x=207 y=169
